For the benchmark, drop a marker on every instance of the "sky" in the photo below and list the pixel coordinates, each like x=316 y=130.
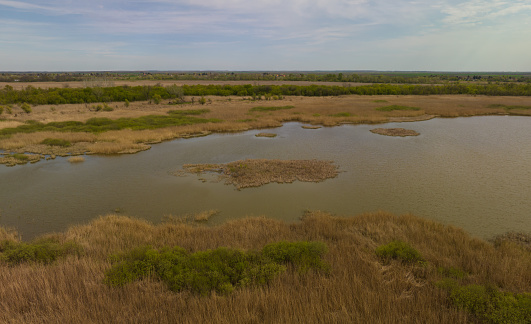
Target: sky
x=272 y=35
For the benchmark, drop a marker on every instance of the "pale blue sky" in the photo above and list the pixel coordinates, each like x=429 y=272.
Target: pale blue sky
x=435 y=35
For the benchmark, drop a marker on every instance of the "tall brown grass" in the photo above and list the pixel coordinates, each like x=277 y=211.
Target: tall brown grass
x=359 y=289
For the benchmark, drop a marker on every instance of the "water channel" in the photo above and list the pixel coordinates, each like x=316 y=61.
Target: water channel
x=474 y=173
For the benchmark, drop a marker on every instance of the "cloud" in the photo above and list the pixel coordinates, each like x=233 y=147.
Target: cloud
x=482 y=11
x=331 y=32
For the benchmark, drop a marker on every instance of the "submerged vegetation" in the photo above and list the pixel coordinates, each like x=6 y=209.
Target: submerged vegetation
x=374 y=267
x=402 y=132
x=258 y=172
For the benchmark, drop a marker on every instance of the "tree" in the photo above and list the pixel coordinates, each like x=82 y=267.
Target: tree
x=26 y=108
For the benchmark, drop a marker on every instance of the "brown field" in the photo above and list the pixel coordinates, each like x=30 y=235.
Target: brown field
x=236 y=116
x=402 y=132
x=360 y=288
x=258 y=172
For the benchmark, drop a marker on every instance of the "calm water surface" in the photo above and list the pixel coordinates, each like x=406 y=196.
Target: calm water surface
x=474 y=173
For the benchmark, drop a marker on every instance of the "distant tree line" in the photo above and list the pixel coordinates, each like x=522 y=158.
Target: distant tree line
x=57 y=96
x=341 y=77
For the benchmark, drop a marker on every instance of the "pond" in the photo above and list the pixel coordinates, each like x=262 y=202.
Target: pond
x=474 y=173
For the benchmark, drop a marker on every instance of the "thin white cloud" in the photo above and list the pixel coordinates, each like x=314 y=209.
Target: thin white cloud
x=479 y=11
x=21 y=5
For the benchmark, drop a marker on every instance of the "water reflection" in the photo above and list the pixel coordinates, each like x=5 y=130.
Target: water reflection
x=474 y=173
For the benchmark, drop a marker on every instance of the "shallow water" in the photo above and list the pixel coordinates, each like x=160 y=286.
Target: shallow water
x=474 y=173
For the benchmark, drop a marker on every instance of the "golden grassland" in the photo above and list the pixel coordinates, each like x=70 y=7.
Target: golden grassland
x=360 y=287
x=402 y=132
x=236 y=116
x=258 y=172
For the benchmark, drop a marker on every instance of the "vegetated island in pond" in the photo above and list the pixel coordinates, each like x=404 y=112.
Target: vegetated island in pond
x=258 y=172
x=402 y=132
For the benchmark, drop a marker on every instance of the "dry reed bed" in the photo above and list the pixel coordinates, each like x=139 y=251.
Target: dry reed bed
x=258 y=172
x=76 y=159
x=402 y=132
x=359 y=289
x=266 y=135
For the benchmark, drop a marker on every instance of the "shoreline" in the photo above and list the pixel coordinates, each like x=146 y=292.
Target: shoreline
x=234 y=114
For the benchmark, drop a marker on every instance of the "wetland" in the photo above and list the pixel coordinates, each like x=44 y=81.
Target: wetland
x=472 y=172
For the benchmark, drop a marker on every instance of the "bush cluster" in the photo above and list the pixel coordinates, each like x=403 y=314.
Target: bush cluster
x=488 y=303
x=56 y=142
x=220 y=270
x=399 y=250
x=42 y=251
x=26 y=108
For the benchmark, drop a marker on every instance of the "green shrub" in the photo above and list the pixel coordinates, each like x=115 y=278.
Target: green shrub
x=19 y=156
x=261 y=108
x=1 y=109
x=342 y=114
x=400 y=251
x=45 y=251
x=452 y=272
x=396 y=107
x=56 y=142
x=126 y=103
x=26 y=108
x=220 y=270
x=107 y=108
x=305 y=255
x=509 y=107
x=488 y=303
x=157 y=98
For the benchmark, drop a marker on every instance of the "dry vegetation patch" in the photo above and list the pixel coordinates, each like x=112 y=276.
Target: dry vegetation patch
x=256 y=173
x=266 y=135
x=19 y=158
x=360 y=287
x=76 y=159
x=402 y=132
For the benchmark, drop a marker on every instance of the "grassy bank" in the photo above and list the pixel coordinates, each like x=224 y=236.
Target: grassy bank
x=369 y=280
